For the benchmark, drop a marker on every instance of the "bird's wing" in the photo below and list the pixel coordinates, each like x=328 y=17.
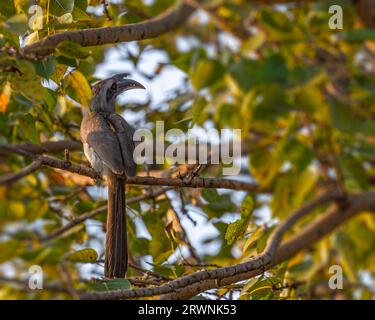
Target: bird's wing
x=98 y=134
x=124 y=134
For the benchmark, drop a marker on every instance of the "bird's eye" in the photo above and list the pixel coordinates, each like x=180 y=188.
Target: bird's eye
x=114 y=86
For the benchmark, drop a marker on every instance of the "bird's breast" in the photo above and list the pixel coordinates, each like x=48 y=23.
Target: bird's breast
x=93 y=158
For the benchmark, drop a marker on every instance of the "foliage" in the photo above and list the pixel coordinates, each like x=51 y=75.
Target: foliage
x=303 y=96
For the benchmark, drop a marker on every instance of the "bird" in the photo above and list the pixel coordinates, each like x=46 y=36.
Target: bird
x=108 y=145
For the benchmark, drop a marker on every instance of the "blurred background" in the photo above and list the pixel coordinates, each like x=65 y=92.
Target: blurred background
x=301 y=92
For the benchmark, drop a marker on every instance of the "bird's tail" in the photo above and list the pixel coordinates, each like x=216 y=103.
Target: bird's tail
x=116 y=258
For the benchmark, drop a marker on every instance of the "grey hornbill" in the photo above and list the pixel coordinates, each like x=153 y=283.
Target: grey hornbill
x=108 y=145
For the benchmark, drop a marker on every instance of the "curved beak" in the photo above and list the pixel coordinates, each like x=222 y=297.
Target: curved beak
x=125 y=84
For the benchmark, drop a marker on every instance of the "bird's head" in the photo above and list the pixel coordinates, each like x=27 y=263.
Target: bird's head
x=106 y=91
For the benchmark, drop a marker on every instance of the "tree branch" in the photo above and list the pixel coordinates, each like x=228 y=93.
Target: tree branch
x=167 y=21
x=45 y=147
x=326 y=223
x=11 y=177
x=196 y=182
x=191 y=285
x=23 y=285
x=74 y=145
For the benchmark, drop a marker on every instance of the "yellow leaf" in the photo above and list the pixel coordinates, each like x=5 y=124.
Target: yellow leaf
x=2 y=192
x=10 y=249
x=84 y=255
x=94 y=3
x=17 y=209
x=253 y=237
x=81 y=88
x=65 y=18
x=4 y=98
x=31 y=38
x=30 y=87
x=60 y=107
x=59 y=73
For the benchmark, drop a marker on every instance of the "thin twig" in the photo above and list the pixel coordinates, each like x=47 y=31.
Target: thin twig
x=31 y=168
x=97 y=211
x=186 y=239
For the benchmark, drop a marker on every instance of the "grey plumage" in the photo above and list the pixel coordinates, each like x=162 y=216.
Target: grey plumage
x=108 y=145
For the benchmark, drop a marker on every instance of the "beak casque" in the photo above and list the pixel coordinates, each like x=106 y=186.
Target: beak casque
x=125 y=84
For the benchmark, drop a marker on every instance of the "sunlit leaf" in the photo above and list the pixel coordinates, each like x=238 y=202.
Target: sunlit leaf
x=27 y=122
x=205 y=73
x=72 y=50
x=17 y=24
x=237 y=228
x=83 y=256
x=78 y=86
x=348 y=257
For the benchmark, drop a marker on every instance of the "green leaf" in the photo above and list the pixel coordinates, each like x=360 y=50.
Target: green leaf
x=60 y=7
x=345 y=119
x=217 y=204
x=21 y=5
x=29 y=84
x=237 y=228
x=197 y=107
x=291 y=191
x=249 y=73
x=59 y=73
x=36 y=209
x=206 y=73
x=82 y=4
x=251 y=240
x=188 y=60
x=17 y=24
x=27 y=125
x=247 y=206
x=160 y=246
x=254 y=42
x=73 y=50
x=348 y=257
x=110 y=285
x=277 y=20
x=45 y=68
x=164 y=270
x=355 y=175
x=10 y=249
x=308 y=98
x=359 y=35
x=257 y=289
x=140 y=246
x=262 y=240
x=8 y=8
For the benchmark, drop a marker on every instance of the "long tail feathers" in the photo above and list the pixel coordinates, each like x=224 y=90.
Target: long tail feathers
x=116 y=258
